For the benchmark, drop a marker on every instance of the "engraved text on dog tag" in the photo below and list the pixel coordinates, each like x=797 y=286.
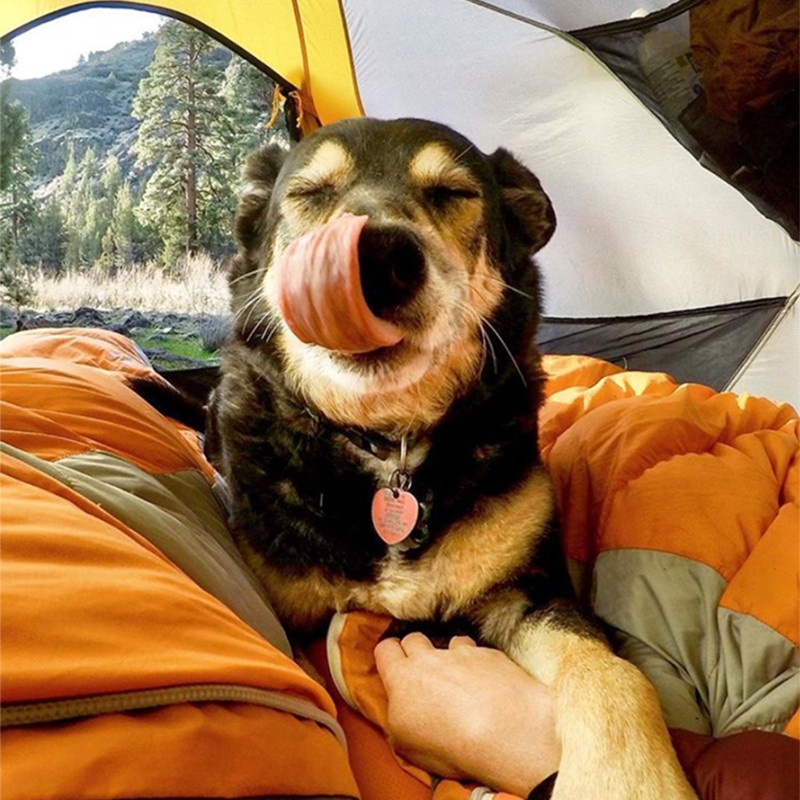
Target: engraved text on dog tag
x=394 y=514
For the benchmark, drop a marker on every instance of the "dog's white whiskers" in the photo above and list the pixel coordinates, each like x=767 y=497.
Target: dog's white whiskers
x=254 y=329
x=507 y=349
x=271 y=329
x=482 y=322
x=464 y=152
x=249 y=299
x=242 y=277
x=510 y=288
x=486 y=343
x=237 y=317
x=250 y=304
x=473 y=314
x=248 y=307
x=486 y=349
x=270 y=326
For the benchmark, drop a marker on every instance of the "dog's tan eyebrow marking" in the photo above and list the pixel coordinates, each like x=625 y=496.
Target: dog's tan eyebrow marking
x=329 y=164
x=434 y=165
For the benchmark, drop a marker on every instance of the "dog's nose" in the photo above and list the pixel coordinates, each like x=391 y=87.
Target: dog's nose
x=392 y=266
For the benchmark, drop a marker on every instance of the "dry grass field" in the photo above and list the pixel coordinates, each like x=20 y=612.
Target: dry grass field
x=196 y=286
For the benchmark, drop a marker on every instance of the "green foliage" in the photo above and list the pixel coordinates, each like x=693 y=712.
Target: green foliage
x=44 y=242
x=121 y=233
x=138 y=154
x=7 y=55
x=16 y=170
x=17 y=206
x=190 y=347
x=248 y=95
x=186 y=140
x=16 y=283
x=81 y=108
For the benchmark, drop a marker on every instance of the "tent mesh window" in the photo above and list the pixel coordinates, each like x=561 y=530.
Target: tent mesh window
x=724 y=81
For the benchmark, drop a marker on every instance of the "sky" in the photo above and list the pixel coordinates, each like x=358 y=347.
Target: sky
x=57 y=45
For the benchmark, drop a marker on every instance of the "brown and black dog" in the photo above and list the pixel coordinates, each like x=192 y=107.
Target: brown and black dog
x=376 y=421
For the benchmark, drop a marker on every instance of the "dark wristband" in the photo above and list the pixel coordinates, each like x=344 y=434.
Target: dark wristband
x=545 y=789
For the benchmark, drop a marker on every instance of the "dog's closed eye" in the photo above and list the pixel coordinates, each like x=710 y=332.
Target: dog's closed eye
x=311 y=191
x=441 y=195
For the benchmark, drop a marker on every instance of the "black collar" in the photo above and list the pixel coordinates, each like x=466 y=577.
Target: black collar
x=375 y=444
x=379 y=446
x=382 y=447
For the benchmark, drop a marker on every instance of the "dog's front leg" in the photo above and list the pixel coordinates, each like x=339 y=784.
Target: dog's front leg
x=613 y=738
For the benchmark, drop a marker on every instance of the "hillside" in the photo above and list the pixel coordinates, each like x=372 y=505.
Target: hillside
x=89 y=105
x=73 y=206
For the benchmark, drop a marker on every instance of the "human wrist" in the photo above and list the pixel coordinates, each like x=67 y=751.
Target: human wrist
x=520 y=750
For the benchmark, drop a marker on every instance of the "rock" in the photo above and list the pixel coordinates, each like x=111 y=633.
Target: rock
x=128 y=321
x=27 y=321
x=134 y=319
x=87 y=317
x=8 y=317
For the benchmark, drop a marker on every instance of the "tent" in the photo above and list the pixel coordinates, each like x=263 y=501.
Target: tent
x=140 y=656
x=674 y=250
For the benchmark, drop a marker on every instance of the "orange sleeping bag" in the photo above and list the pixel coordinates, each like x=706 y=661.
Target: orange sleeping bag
x=123 y=677
x=680 y=519
x=140 y=658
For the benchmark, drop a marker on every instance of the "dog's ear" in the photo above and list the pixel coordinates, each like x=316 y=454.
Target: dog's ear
x=260 y=171
x=527 y=209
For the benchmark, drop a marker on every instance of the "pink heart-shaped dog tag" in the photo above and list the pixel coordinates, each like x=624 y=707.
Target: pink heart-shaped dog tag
x=394 y=514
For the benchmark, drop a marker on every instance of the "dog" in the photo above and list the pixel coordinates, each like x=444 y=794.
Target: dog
x=376 y=420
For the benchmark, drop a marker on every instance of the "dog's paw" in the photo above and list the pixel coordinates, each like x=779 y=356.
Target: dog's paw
x=614 y=741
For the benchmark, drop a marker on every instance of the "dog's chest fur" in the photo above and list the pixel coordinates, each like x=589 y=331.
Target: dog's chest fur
x=303 y=488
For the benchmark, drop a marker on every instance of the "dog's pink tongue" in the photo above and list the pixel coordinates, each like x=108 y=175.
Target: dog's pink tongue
x=319 y=290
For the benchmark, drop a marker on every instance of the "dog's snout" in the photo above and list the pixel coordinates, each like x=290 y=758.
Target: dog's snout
x=392 y=266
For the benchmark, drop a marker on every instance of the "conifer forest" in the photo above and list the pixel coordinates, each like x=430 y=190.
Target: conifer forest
x=131 y=158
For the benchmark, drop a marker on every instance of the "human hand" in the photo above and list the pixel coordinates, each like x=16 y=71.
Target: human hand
x=468 y=712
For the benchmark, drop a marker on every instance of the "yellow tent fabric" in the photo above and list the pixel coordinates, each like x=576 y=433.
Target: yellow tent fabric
x=303 y=41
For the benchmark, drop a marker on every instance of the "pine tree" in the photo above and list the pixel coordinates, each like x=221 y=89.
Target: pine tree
x=106 y=195
x=17 y=206
x=186 y=139
x=110 y=181
x=78 y=191
x=119 y=238
x=66 y=192
x=248 y=93
x=44 y=241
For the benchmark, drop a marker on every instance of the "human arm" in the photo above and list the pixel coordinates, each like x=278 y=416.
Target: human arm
x=468 y=712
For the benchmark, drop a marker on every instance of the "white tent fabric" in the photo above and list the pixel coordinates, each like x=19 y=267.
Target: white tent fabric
x=643 y=228
x=774 y=370
x=573 y=16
